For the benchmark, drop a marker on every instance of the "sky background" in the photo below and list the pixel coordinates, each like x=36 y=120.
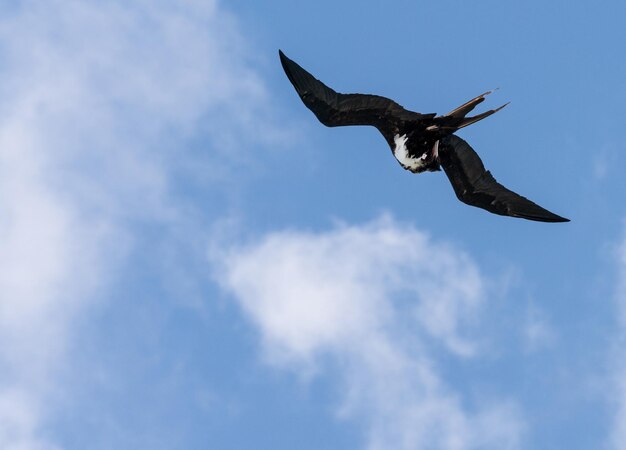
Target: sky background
x=189 y=260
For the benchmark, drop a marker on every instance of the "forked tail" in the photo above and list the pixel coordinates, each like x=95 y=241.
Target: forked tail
x=455 y=119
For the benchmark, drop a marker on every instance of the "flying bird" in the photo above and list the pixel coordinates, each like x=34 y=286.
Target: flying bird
x=420 y=142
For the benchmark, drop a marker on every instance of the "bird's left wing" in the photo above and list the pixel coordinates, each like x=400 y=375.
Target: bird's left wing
x=334 y=109
x=476 y=186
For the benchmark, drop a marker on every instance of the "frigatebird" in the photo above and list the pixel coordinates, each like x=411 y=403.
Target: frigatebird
x=420 y=142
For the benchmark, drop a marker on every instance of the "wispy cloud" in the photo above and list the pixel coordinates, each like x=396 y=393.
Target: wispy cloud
x=382 y=300
x=98 y=99
x=538 y=332
x=621 y=279
x=618 y=353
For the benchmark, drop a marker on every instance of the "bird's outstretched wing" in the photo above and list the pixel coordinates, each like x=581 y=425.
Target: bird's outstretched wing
x=334 y=109
x=477 y=187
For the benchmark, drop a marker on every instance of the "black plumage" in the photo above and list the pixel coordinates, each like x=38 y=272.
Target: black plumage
x=420 y=142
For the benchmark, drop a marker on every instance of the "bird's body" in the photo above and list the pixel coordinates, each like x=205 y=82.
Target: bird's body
x=408 y=159
x=419 y=142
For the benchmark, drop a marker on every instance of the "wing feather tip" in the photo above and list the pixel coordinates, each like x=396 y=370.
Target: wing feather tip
x=549 y=217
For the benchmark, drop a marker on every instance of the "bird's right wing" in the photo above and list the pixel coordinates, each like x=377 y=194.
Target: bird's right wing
x=476 y=186
x=334 y=109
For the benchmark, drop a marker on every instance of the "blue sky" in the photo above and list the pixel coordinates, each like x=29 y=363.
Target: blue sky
x=189 y=260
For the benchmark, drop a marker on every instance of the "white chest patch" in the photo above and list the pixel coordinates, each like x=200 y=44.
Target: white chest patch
x=402 y=154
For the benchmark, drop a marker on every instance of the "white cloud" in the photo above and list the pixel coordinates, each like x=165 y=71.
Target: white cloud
x=538 y=332
x=97 y=100
x=621 y=280
x=382 y=300
x=619 y=427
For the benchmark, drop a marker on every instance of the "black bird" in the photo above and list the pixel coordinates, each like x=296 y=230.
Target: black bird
x=420 y=142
